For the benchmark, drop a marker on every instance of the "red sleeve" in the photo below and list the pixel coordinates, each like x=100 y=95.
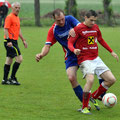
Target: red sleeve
x=50 y=37
x=71 y=41
x=102 y=42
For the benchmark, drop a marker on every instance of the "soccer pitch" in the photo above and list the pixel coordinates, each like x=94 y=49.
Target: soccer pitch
x=45 y=92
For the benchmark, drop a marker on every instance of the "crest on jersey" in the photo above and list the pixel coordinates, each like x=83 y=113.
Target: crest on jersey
x=91 y=40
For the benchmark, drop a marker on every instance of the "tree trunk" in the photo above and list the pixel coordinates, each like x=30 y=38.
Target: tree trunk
x=107 y=12
x=71 y=7
x=37 y=12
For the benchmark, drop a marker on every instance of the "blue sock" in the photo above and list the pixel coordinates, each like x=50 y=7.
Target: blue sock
x=79 y=92
x=100 y=81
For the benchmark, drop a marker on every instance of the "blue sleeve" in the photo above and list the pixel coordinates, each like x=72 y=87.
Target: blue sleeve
x=73 y=21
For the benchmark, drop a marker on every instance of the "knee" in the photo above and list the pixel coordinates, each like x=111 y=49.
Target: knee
x=113 y=80
x=90 y=81
x=72 y=78
x=19 y=60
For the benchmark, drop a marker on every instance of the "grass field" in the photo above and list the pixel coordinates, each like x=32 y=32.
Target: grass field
x=45 y=92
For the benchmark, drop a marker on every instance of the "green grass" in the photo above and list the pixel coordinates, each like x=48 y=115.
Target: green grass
x=45 y=92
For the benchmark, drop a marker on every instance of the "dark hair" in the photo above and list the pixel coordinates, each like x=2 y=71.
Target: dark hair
x=57 y=12
x=91 y=13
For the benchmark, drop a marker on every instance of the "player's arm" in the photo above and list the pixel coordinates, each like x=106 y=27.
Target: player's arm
x=45 y=50
x=106 y=46
x=9 y=43
x=6 y=29
x=23 y=39
x=71 y=33
x=71 y=41
x=49 y=42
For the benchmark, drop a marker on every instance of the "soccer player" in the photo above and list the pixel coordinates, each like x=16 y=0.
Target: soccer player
x=84 y=45
x=59 y=33
x=11 y=33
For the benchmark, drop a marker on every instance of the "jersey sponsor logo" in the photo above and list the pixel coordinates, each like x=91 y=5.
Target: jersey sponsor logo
x=92 y=47
x=63 y=34
x=86 y=32
x=85 y=48
x=91 y=40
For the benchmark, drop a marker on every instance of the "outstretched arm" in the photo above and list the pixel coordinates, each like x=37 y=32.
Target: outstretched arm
x=106 y=46
x=44 y=52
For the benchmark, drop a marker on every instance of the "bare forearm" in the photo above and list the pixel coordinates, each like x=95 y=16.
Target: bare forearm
x=21 y=36
x=45 y=50
x=6 y=33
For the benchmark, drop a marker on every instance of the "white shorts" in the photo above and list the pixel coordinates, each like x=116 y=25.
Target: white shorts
x=95 y=66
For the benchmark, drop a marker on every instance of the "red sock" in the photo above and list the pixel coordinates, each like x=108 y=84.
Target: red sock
x=98 y=92
x=86 y=97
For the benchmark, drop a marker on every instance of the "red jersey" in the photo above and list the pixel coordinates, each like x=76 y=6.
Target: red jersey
x=86 y=40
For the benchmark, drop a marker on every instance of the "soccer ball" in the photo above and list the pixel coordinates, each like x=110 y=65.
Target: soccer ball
x=109 y=99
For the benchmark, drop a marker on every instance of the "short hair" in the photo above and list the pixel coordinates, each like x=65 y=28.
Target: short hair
x=57 y=12
x=91 y=13
x=15 y=3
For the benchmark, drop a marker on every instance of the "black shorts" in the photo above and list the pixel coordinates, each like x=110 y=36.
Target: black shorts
x=12 y=51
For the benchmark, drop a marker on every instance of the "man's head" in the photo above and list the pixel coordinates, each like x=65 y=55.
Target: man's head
x=90 y=18
x=16 y=8
x=59 y=17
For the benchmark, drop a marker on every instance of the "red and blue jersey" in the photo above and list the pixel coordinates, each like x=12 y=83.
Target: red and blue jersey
x=60 y=34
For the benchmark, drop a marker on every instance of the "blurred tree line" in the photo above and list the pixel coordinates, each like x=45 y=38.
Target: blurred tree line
x=71 y=9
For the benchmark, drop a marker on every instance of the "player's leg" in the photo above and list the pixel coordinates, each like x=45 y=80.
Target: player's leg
x=103 y=71
x=72 y=76
x=88 y=68
x=109 y=80
x=15 y=68
x=16 y=65
x=88 y=74
x=86 y=91
x=100 y=81
x=6 y=70
x=8 y=62
x=18 y=57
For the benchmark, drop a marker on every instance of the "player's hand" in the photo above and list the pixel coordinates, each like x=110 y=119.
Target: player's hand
x=9 y=44
x=71 y=33
x=38 y=57
x=25 y=44
x=77 y=51
x=115 y=56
